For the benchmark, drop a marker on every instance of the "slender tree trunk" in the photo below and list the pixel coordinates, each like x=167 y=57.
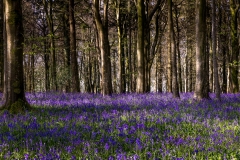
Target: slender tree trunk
x=234 y=61
x=214 y=46
x=191 y=83
x=159 y=70
x=130 y=66
x=153 y=51
x=121 y=53
x=66 y=30
x=211 y=84
x=46 y=63
x=222 y=47
x=169 y=65
x=1 y=47
x=179 y=67
x=201 y=86
x=175 y=89
x=14 y=94
x=75 y=83
x=140 y=86
x=32 y=89
x=48 y=10
x=149 y=50
x=102 y=27
x=186 y=68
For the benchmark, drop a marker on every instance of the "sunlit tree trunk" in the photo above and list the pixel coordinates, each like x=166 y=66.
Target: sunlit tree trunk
x=175 y=89
x=149 y=50
x=186 y=67
x=201 y=86
x=179 y=67
x=211 y=84
x=140 y=86
x=75 y=84
x=120 y=26
x=14 y=94
x=214 y=47
x=234 y=62
x=159 y=70
x=102 y=27
x=169 y=59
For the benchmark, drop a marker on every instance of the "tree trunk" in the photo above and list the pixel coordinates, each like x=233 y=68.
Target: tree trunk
x=1 y=47
x=169 y=64
x=159 y=70
x=75 y=84
x=46 y=64
x=214 y=46
x=222 y=48
x=149 y=52
x=175 y=89
x=102 y=27
x=179 y=67
x=211 y=84
x=121 y=53
x=201 y=86
x=32 y=87
x=234 y=62
x=14 y=94
x=66 y=29
x=140 y=86
x=48 y=10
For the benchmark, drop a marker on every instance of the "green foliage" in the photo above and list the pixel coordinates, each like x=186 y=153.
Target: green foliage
x=235 y=63
x=19 y=106
x=63 y=75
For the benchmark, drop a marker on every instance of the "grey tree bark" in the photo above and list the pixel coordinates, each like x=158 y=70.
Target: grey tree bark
x=234 y=61
x=120 y=20
x=214 y=47
x=201 y=86
x=102 y=27
x=14 y=94
x=48 y=10
x=75 y=83
x=173 y=52
x=1 y=47
x=140 y=84
x=66 y=30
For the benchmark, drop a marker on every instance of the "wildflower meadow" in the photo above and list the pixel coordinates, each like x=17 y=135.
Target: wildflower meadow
x=152 y=126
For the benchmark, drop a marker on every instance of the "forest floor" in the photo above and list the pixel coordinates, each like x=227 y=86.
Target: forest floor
x=123 y=126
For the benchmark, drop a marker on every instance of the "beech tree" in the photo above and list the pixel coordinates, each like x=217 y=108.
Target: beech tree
x=175 y=89
x=14 y=95
x=121 y=46
x=121 y=37
x=48 y=8
x=201 y=86
x=74 y=64
x=102 y=28
x=234 y=62
x=214 y=47
x=141 y=84
x=1 y=47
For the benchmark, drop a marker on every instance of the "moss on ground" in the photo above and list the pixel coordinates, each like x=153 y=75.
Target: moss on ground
x=18 y=107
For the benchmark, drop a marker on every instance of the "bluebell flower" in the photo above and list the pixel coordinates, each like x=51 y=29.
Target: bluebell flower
x=106 y=147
